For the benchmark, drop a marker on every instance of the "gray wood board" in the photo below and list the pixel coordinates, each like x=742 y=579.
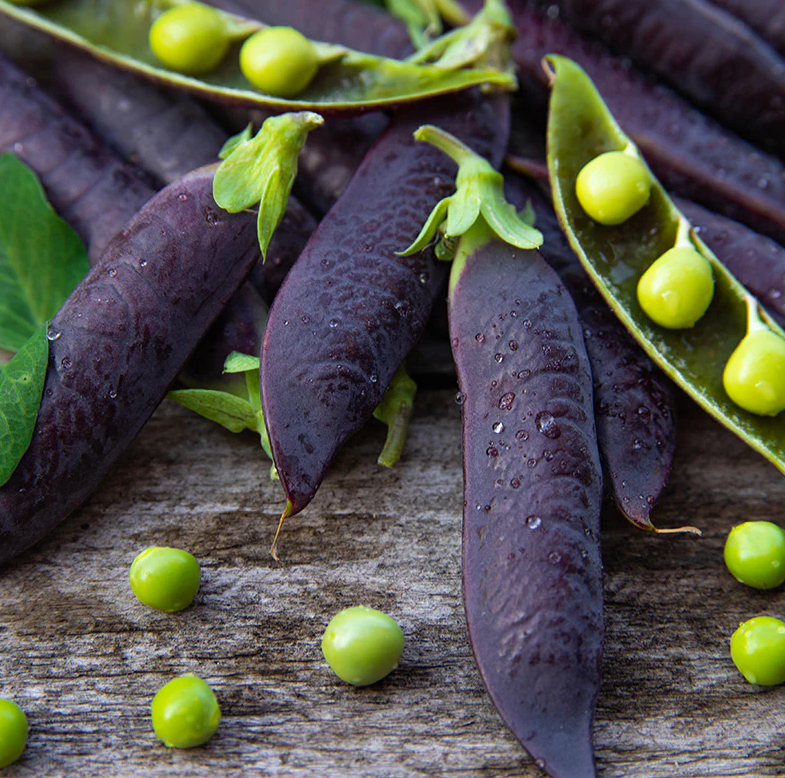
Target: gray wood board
x=84 y=658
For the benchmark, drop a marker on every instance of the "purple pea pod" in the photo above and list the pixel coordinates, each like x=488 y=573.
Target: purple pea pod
x=766 y=17
x=118 y=343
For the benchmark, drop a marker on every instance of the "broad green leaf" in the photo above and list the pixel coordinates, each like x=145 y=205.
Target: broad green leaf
x=117 y=31
x=41 y=257
x=580 y=128
x=21 y=388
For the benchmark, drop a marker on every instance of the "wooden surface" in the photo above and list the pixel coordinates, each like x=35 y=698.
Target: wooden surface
x=84 y=658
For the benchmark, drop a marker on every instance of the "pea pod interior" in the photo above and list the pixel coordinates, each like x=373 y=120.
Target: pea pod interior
x=117 y=31
x=580 y=127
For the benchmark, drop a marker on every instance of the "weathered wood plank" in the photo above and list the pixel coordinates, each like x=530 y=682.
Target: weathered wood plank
x=84 y=659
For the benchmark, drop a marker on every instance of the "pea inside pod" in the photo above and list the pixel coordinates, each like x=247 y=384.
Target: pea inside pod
x=581 y=128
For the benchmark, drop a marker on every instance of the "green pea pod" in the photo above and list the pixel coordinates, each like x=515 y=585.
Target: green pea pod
x=580 y=127
x=347 y=81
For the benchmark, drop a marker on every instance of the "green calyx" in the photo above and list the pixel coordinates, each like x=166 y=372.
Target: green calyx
x=484 y=41
x=479 y=196
x=260 y=171
x=395 y=410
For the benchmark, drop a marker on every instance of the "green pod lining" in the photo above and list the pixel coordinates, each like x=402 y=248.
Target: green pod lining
x=117 y=31
x=580 y=127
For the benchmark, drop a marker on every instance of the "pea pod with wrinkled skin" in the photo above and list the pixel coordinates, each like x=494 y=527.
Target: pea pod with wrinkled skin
x=580 y=127
x=117 y=344
x=350 y=309
x=693 y=46
x=90 y=187
x=352 y=82
x=532 y=571
x=691 y=154
x=633 y=402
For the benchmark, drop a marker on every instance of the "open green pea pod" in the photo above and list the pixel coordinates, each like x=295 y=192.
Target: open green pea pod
x=580 y=128
x=343 y=80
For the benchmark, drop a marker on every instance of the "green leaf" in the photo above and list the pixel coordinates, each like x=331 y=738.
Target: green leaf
x=260 y=171
x=41 y=257
x=233 y=413
x=235 y=141
x=580 y=128
x=240 y=363
x=117 y=32
x=21 y=388
x=395 y=410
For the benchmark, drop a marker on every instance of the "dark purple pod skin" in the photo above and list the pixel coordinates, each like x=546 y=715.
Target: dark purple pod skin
x=690 y=153
x=350 y=309
x=702 y=51
x=633 y=402
x=118 y=343
x=345 y=22
x=532 y=570
x=758 y=262
x=88 y=186
x=766 y=17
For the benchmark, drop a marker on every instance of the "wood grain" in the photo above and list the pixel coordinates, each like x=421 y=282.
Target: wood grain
x=84 y=658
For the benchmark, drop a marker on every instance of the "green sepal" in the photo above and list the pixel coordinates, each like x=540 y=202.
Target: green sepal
x=395 y=410
x=260 y=171
x=238 y=362
x=21 y=389
x=41 y=258
x=479 y=194
x=235 y=141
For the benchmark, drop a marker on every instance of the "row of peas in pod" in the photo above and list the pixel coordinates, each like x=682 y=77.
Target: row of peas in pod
x=360 y=644
x=677 y=288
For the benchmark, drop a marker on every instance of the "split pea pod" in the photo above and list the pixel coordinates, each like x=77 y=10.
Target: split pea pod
x=118 y=343
x=580 y=129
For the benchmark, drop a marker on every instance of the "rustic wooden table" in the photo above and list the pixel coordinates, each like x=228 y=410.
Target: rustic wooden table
x=84 y=658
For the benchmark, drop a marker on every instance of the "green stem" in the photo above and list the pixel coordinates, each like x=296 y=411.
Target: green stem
x=397 y=433
x=457 y=151
x=453 y=13
x=754 y=322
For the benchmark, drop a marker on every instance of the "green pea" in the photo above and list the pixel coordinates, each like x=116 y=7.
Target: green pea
x=613 y=187
x=185 y=712
x=190 y=38
x=165 y=578
x=362 y=645
x=754 y=376
x=13 y=732
x=755 y=554
x=757 y=648
x=677 y=288
x=279 y=60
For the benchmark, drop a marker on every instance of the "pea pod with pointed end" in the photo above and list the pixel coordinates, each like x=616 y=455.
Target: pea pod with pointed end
x=580 y=127
x=117 y=344
x=119 y=31
x=532 y=572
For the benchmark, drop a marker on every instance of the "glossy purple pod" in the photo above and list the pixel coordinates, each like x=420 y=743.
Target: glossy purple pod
x=701 y=51
x=91 y=188
x=766 y=17
x=690 y=153
x=351 y=309
x=634 y=405
x=118 y=343
x=532 y=570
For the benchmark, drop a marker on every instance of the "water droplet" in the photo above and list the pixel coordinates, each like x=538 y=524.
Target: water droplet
x=644 y=414
x=142 y=263
x=423 y=278
x=23 y=490
x=333 y=323
x=527 y=324
x=513 y=344
x=498 y=428
x=547 y=425
x=499 y=357
x=554 y=557
x=506 y=402
x=112 y=394
x=182 y=197
x=532 y=463
x=374 y=378
x=400 y=306
x=479 y=337
x=460 y=398
x=547 y=455
x=492 y=452
x=66 y=363
x=515 y=483
x=305 y=320
x=763 y=182
x=522 y=435
x=52 y=333
x=532 y=522
x=286 y=322
x=112 y=272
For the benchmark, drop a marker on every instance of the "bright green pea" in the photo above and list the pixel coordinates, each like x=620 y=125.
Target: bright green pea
x=758 y=650
x=755 y=554
x=190 y=38
x=754 y=376
x=13 y=732
x=165 y=578
x=185 y=712
x=279 y=60
x=677 y=288
x=362 y=645
x=613 y=187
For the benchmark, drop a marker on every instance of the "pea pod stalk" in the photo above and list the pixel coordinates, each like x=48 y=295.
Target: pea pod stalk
x=532 y=571
x=580 y=128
